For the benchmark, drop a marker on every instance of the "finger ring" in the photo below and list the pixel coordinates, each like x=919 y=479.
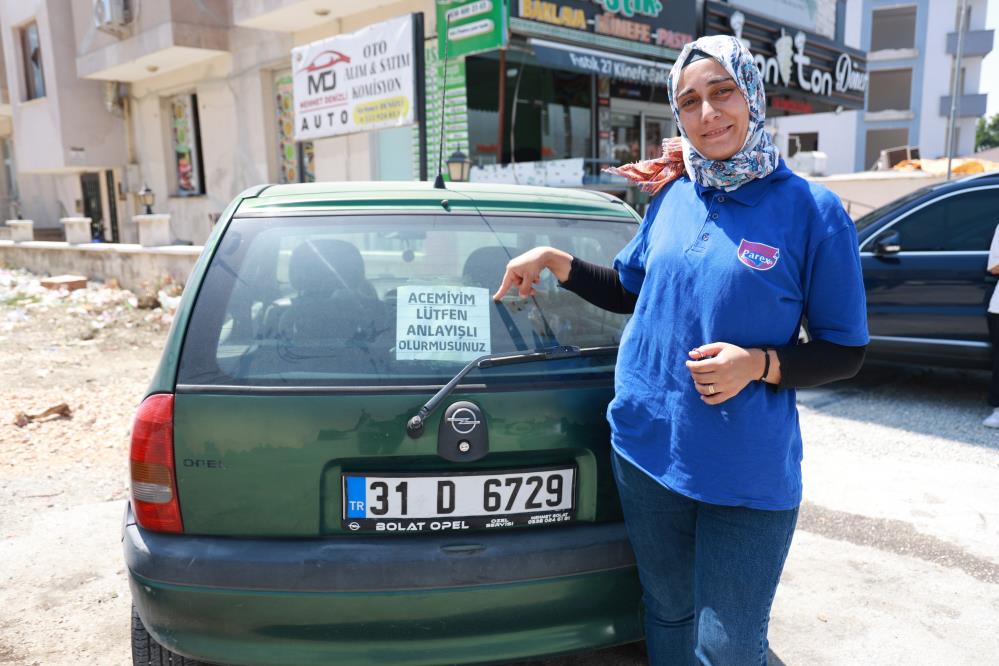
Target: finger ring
x=711 y=389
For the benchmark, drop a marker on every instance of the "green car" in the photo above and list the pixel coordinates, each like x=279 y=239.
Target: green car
x=351 y=454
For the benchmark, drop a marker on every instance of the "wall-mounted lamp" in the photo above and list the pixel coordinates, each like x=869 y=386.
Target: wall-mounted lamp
x=458 y=166
x=147 y=198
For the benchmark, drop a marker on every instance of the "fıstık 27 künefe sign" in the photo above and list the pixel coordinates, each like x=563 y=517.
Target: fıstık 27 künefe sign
x=355 y=82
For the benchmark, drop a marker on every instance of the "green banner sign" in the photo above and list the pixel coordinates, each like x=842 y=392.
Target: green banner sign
x=470 y=26
x=449 y=118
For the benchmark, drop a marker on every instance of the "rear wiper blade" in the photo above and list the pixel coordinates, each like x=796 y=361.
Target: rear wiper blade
x=414 y=427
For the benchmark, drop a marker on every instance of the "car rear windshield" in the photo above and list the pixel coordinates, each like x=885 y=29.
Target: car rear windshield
x=379 y=300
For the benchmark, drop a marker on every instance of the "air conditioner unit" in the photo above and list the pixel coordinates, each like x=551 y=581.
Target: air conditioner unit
x=113 y=16
x=811 y=162
x=889 y=157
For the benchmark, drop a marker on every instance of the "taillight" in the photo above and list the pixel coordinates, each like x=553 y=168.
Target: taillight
x=154 y=482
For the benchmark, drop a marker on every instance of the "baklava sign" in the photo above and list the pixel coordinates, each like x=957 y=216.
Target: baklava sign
x=355 y=82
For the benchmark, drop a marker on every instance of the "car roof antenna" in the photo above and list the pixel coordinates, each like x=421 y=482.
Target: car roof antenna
x=439 y=180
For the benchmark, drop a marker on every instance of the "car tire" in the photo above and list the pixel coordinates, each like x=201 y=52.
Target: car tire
x=147 y=652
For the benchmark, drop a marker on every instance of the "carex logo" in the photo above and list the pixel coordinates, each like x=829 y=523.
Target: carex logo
x=758 y=256
x=463 y=420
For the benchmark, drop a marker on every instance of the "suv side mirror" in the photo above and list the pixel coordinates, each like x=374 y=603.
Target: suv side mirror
x=889 y=243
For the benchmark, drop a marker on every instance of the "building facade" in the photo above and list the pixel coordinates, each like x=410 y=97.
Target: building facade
x=193 y=98
x=189 y=97
x=911 y=48
x=579 y=85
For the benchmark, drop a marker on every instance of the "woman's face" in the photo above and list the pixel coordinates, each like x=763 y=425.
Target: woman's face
x=712 y=110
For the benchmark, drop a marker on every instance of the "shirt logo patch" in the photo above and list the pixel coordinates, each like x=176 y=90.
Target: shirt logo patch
x=758 y=256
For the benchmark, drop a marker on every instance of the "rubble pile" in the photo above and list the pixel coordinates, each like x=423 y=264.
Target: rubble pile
x=97 y=305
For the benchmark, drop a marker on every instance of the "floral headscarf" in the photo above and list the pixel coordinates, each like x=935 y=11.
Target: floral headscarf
x=756 y=159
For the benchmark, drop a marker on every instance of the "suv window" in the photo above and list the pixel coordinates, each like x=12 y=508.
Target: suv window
x=961 y=222
x=881 y=212
x=389 y=300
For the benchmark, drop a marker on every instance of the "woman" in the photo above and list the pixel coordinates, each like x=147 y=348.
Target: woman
x=734 y=250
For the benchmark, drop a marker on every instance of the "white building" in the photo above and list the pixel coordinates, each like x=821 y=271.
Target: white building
x=911 y=47
x=189 y=97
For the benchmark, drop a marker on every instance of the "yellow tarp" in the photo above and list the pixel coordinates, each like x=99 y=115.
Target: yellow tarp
x=965 y=166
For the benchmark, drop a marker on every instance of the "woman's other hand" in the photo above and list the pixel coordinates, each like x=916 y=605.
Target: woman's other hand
x=524 y=271
x=720 y=370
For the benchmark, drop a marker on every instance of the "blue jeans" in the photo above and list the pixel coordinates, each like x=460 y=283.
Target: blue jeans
x=708 y=572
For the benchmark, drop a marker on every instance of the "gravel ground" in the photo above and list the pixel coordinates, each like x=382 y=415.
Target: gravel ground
x=63 y=480
x=896 y=557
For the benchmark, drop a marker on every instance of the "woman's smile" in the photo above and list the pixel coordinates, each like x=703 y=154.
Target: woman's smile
x=715 y=133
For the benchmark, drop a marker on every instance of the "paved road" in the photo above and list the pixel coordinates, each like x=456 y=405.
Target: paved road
x=896 y=556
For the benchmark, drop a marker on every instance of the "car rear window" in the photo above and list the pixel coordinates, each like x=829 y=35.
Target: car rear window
x=402 y=300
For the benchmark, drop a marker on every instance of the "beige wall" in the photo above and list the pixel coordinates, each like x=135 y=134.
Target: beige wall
x=863 y=192
x=69 y=129
x=135 y=268
x=152 y=14
x=236 y=126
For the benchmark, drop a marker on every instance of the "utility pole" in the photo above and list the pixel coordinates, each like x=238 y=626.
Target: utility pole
x=955 y=76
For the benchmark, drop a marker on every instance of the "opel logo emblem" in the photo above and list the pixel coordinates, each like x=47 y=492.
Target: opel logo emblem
x=354 y=526
x=463 y=420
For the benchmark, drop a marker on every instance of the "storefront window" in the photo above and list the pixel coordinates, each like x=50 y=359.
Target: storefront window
x=548 y=112
x=31 y=53
x=631 y=144
x=296 y=162
x=627 y=131
x=185 y=140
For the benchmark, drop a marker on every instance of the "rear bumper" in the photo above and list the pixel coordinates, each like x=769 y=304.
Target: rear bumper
x=425 y=599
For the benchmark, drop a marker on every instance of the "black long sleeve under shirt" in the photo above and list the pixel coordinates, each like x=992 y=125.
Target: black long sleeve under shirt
x=802 y=366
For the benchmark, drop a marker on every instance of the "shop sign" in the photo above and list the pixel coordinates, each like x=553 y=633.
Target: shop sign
x=355 y=82
x=792 y=61
x=785 y=104
x=471 y=26
x=546 y=173
x=446 y=111
x=657 y=28
x=799 y=13
x=600 y=63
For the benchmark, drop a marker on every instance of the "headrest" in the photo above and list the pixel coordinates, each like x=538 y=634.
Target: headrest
x=325 y=265
x=485 y=266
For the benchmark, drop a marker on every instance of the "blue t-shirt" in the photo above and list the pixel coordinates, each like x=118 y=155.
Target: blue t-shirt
x=740 y=267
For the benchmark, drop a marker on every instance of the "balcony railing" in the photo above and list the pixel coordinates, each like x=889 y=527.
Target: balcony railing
x=976 y=42
x=968 y=106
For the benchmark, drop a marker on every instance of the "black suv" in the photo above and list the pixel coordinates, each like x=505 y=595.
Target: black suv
x=924 y=259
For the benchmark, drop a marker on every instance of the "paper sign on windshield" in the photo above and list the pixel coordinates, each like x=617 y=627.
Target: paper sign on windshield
x=442 y=323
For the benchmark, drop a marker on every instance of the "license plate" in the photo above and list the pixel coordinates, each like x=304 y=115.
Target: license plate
x=444 y=502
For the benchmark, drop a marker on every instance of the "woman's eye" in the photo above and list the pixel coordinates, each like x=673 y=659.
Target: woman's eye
x=723 y=91
x=687 y=103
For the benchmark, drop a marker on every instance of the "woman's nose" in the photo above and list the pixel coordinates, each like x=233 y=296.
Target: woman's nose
x=708 y=112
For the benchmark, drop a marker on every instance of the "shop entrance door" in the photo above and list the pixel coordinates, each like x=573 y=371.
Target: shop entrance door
x=654 y=130
x=112 y=204
x=638 y=130
x=90 y=185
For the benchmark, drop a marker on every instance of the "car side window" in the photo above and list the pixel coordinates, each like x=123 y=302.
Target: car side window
x=959 y=223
